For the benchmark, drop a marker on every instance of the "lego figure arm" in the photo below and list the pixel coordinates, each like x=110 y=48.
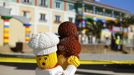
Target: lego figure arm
x=56 y=71
x=73 y=60
x=72 y=67
x=70 y=70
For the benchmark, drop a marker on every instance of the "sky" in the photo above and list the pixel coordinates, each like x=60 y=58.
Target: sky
x=123 y=4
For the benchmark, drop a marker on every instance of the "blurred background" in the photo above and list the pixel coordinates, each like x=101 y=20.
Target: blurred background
x=105 y=29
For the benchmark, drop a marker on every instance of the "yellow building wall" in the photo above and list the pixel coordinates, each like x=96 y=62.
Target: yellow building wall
x=56 y=25
x=131 y=34
x=31 y=15
x=42 y=28
x=16 y=33
x=1 y=32
x=28 y=9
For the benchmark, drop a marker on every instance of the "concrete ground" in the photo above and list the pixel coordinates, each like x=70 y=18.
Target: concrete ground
x=91 y=49
x=29 y=69
x=91 y=53
x=100 y=49
x=88 y=52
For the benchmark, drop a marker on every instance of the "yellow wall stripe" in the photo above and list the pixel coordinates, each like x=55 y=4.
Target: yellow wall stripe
x=17 y=60
x=5 y=40
x=27 y=38
x=6 y=29
x=27 y=29
x=32 y=60
x=27 y=32
x=107 y=62
x=6 y=35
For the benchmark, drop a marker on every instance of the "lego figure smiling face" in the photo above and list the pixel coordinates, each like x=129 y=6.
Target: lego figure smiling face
x=47 y=61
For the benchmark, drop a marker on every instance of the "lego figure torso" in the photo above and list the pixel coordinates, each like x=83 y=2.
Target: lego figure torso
x=54 y=71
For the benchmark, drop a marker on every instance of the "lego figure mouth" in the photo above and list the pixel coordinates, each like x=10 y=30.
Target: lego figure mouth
x=43 y=63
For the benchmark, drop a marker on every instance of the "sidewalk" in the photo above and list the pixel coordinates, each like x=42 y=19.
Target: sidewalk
x=117 y=57
x=91 y=49
x=83 y=56
x=99 y=49
x=88 y=52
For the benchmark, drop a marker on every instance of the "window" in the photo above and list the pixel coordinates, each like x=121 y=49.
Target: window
x=131 y=29
x=43 y=3
x=86 y=9
x=26 y=1
x=26 y=14
x=71 y=7
x=57 y=19
x=70 y=19
x=57 y=4
x=42 y=17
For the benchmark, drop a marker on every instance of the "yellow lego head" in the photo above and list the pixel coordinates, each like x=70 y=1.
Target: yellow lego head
x=47 y=61
x=45 y=47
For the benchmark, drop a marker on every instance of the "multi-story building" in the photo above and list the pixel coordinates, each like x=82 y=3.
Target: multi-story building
x=46 y=16
x=89 y=9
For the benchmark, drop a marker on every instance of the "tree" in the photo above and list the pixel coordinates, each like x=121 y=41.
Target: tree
x=128 y=21
x=110 y=24
x=98 y=28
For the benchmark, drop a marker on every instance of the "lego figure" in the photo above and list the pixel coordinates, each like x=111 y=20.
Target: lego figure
x=69 y=46
x=45 y=47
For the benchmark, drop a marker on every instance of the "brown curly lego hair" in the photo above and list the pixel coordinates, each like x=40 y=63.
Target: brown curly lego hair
x=69 y=46
x=67 y=29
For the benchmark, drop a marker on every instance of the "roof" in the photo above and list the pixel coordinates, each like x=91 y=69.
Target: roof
x=92 y=2
x=106 y=6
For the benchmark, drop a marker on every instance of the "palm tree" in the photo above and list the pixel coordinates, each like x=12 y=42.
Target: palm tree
x=128 y=20
x=110 y=24
x=98 y=27
x=89 y=25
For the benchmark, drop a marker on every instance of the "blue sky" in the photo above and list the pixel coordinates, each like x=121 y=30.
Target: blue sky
x=124 y=4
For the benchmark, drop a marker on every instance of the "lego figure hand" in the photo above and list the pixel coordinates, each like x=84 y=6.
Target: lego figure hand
x=73 y=60
x=61 y=59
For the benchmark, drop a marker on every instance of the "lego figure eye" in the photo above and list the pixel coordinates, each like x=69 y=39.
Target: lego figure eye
x=45 y=58
x=39 y=58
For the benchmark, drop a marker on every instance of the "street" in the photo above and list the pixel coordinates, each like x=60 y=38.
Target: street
x=28 y=69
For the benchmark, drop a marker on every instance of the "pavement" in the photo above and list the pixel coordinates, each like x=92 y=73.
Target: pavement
x=8 y=68
x=86 y=56
x=111 y=57
x=29 y=69
x=83 y=56
x=12 y=69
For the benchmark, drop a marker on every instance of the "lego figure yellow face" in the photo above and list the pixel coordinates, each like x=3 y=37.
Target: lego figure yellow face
x=47 y=61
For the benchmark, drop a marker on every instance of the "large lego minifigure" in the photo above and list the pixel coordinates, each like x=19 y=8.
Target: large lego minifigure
x=69 y=46
x=45 y=47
